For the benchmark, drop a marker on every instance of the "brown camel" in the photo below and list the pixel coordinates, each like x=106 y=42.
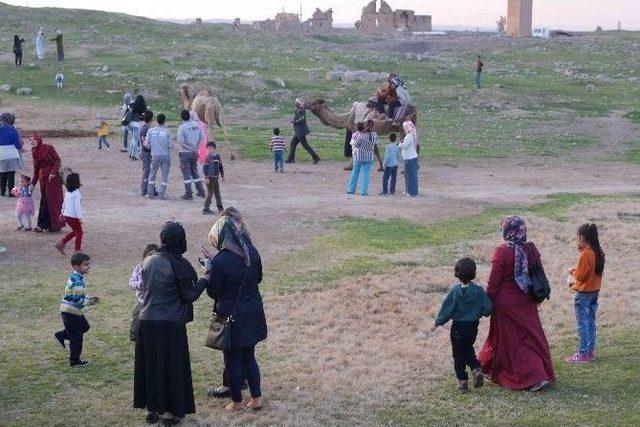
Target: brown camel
x=359 y=113
x=209 y=110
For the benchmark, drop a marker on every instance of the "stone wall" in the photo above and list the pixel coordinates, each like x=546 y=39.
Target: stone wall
x=387 y=20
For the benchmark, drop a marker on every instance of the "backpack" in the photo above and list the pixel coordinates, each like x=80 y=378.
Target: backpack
x=540 y=289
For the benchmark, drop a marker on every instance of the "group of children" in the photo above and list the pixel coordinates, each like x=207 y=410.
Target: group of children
x=466 y=303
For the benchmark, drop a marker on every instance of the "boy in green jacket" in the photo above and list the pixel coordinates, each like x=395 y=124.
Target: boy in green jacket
x=465 y=304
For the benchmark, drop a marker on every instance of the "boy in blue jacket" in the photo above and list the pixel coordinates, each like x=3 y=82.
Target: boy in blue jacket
x=465 y=304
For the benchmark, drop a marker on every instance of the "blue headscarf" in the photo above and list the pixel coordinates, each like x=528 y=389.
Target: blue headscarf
x=514 y=232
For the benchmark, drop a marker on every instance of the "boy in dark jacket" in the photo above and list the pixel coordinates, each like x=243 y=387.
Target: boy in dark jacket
x=465 y=304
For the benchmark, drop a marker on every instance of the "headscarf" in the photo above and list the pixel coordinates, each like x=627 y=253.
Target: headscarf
x=37 y=137
x=514 y=232
x=410 y=128
x=99 y=116
x=299 y=102
x=173 y=238
x=7 y=119
x=229 y=233
x=126 y=98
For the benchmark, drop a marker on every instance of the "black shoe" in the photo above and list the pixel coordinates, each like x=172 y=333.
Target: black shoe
x=79 y=363
x=152 y=418
x=207 y=212
x=170 y=421
x=124 y=150
x=219 y=392
x=201 y=195
x=60 y=338
x=187 y=197
x=316 y=160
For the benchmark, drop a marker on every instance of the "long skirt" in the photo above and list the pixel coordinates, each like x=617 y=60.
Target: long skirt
x=51 y=198
x=162 y=376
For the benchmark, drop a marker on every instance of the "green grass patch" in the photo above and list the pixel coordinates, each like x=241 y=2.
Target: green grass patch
x=604 y=392
x=634 y=116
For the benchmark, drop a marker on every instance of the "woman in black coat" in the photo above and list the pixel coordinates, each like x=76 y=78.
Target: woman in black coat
x=162 y=379
x=17 y=49
x=232 y=280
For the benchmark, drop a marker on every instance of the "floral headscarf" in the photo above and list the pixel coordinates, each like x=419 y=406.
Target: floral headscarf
x=299 y=102
x=514 y=232
x=410 y=128
x=230 y=233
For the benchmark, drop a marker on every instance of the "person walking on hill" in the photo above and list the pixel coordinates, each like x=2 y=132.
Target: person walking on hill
x=301 y=130
x=478 y=75
x=40 y=46
x=17 y=49
x=59 y=48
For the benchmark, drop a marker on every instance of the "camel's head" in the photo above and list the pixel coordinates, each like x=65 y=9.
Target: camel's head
x=314 y=105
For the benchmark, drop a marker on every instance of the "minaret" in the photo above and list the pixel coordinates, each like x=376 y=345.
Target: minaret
x=519 y=18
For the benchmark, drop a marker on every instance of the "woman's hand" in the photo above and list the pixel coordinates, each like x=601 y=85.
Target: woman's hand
x=52 y=177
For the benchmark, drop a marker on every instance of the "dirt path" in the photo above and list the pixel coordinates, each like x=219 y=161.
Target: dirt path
x=286 y=210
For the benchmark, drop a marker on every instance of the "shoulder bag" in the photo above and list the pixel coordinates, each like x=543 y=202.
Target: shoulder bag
x=219 y=335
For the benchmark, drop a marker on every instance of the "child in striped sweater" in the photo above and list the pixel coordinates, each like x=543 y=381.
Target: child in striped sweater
x=72 y=307
x=278 y=147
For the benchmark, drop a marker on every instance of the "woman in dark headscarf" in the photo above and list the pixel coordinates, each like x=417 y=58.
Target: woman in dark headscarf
x=232 y=280
x=46 y=171
x=17 y=49
x=162 y=379
x=516 y=353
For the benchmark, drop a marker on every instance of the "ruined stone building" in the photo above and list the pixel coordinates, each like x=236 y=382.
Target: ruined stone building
x=387 y=20
x=290 y=22
x=519 y=18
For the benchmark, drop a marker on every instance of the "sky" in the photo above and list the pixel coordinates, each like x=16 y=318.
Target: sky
x=555 y=14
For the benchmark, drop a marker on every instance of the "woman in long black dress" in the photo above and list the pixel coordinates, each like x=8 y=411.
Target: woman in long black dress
x=17 y=49
x=162 y=379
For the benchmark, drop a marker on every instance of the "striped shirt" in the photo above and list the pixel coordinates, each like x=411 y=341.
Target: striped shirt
x=277 y=144
x=363 y=147
x=74 y=300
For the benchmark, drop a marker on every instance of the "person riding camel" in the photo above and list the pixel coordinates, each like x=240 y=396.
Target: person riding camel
x=404 y=99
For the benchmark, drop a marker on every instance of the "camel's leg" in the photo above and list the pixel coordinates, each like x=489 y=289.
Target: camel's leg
x=211 y=120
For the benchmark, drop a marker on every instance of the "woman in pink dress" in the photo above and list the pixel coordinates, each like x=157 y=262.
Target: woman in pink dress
x=202 y=149
x=515 y=354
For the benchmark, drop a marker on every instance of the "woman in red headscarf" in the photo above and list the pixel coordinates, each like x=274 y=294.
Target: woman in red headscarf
x=46 y=167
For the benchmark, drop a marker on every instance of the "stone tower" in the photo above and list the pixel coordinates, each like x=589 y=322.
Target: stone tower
x=519 y=18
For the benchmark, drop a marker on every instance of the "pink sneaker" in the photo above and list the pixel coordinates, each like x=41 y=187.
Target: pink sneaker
x=577 y=358
x=591 y=355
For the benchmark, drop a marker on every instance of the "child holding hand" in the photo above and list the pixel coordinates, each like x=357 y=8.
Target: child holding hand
x=24 y=205
x=465 y=304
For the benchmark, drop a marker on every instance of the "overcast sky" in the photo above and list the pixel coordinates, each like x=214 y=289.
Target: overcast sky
x=568 y=14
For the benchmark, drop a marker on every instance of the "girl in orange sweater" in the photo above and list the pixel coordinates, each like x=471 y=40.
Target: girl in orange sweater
x=586 y=280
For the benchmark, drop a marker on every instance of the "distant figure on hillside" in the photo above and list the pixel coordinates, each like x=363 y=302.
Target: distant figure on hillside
x=59 y=48
x=59 y=79
x=40 y=47
x=479 y=65
x=17 y=49
x=301 y=130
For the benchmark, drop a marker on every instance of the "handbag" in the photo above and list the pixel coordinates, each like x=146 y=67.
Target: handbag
x=219 y=334
x=540 y=289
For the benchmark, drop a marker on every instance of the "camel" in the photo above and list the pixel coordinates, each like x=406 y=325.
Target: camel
x=209 y=110
x=359 y=113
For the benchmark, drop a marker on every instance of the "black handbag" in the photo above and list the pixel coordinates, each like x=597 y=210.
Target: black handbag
x=540 y=289
x=219 y=334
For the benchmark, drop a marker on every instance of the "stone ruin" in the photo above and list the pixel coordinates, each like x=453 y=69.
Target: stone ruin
x=290 y=22
x=387 y=20
x=519 y=18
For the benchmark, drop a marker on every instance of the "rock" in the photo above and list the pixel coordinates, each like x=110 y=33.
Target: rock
x=249 y=74
x=499 y=86
x=314 y=74
x=590 y=87
x=168 y=59
x=105 y=68
x=334 y=75
x=183 y=77
x=256 y=62
x=340 y=67
x=279 y=82
x=5 y=87
x=24 y=91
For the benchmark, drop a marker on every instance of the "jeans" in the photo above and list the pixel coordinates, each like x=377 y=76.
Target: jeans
x=162 y=163
x=7 y=182
x=238 y=363
x=411 y=176
x=213 y=189
x=302 y=141
x=103 y=140
x=189 y=169
x=278 y=160
x=145 y=159
x=134 y=130
x=586 y=304
x=476 y=79
x=76 y=232
x=125 y=137
x=74 y=328
x=390 y=172
x=365 y=168
x=463 y=336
